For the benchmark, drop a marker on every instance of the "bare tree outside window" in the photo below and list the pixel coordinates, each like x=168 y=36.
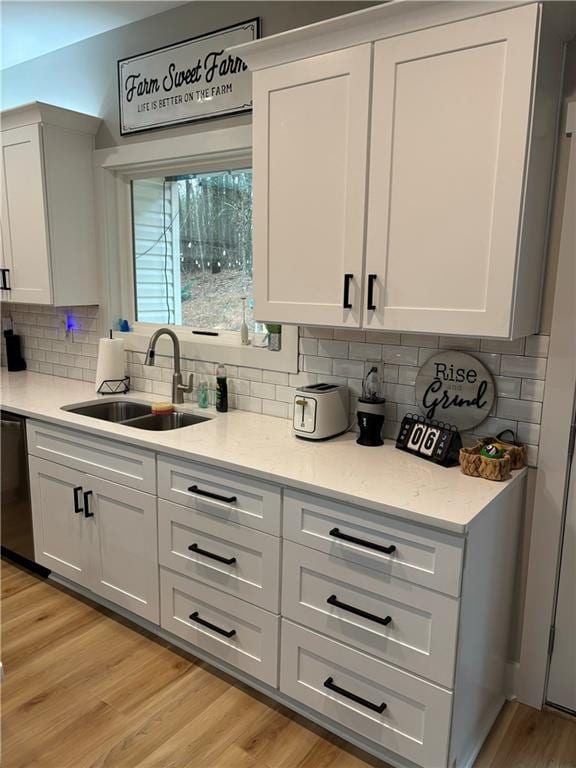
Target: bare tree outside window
x=193 y=249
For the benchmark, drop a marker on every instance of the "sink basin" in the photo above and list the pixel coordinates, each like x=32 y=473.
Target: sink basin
x=111 y=410
x=164 y=421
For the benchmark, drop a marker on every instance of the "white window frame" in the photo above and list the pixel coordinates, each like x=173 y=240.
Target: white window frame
x=115 y=168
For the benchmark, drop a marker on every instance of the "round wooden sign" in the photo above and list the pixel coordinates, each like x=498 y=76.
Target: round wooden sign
x=455 y=388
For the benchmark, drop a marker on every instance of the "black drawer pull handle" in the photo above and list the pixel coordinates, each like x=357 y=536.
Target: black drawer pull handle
x=333 y=600
x=337 y=533
x=87 y=512
x=329 y=683
x=5 y=272
x=371 y=281
x=77 y=507
x=226 y=632
x=210 y=495
x=227 y=560
x=347 y=280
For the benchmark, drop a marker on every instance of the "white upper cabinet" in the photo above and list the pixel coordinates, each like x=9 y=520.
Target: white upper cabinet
x=450 y=237
x=450 y=130
x=310 y=146
x=48 y=207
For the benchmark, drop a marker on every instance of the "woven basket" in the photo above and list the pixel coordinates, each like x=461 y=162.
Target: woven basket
x=475 y=465
x=517 y=451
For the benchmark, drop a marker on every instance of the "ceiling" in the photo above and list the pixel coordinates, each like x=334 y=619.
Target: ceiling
x=31 y=28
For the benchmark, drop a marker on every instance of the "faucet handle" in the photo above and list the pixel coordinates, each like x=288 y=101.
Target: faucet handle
x=187 y=387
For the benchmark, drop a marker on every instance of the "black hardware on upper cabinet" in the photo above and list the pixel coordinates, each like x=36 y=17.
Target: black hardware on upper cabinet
x=77 y=507
x=347 y=279
x=87 y=512
x=329 y=683
x=227 y=560
x=371 y=279
x=226 y=632
x=337 y=533
x=4 y=272
x=333 y=600
x=210 y=495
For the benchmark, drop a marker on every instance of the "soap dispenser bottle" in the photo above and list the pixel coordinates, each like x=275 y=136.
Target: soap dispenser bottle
x=221 y=389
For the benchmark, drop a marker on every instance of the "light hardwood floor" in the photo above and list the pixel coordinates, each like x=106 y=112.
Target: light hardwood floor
x=84 y=689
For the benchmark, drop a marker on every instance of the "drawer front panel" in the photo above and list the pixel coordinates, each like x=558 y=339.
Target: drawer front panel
x=389 y=618
x=350 y=688
x=432 y=559
x=254 y=572
x=102 y=457
x=241 y=499
x=232 y=630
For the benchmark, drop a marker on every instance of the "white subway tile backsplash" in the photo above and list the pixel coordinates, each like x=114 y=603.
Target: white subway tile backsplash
x=537 y=346
x=331 y=348
x=317 y=364
x=345 y=334
x=507 y=386
x=351 y=368
x=399 y=355
x=274 y=377
x=532 y=389
x=524 y=367
x=521 y=410
x=364 y=351
x=503 y=346
x=258 y=389
x=339 y=355
x=308 y=346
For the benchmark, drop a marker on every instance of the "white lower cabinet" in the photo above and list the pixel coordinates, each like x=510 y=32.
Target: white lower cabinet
x=396 y=710
x=63 y=538
x=389 y=618
x=240 y=561
x=126 y=551
x=98 y=534
x=371 y=624
x=234 y=631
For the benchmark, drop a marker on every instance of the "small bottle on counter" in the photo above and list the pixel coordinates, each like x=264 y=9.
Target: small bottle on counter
x=203 y=401
x=221 y=389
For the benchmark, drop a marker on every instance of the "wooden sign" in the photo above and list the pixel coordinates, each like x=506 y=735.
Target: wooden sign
x=455 y=388
x=192 y=80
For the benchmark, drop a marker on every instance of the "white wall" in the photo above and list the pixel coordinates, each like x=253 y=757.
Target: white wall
x=83 y=76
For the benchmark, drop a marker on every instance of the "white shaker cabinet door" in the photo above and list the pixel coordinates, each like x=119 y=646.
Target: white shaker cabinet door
x=63 y=536
x=24 y=220
x=451 y=118
x=310 y=154
x=125 y=553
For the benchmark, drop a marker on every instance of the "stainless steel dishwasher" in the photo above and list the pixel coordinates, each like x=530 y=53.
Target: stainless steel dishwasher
x=17 y=536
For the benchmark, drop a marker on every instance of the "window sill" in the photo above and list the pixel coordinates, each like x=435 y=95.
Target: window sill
x=220 y=349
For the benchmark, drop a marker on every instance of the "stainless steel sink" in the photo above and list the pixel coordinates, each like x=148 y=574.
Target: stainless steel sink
x=111 y=410
x=165 y=421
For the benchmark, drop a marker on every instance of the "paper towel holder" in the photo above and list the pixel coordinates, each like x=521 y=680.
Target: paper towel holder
x=114 y=386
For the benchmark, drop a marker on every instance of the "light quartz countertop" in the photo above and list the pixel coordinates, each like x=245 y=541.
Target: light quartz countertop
x=381 y=479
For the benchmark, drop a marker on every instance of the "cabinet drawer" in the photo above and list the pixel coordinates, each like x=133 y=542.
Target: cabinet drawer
x=415 y=722
x=233 y=497
x=389 y=618
x=253 y=646
x=102 y=457
x=432 y=559
x=255 y=571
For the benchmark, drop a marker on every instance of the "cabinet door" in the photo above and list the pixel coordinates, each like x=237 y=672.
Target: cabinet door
x=310 y=147
x=63 y=536
x=24 y=219
x=125 y=553
x=450 y=125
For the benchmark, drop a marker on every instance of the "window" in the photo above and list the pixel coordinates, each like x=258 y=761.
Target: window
x=192 y=248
